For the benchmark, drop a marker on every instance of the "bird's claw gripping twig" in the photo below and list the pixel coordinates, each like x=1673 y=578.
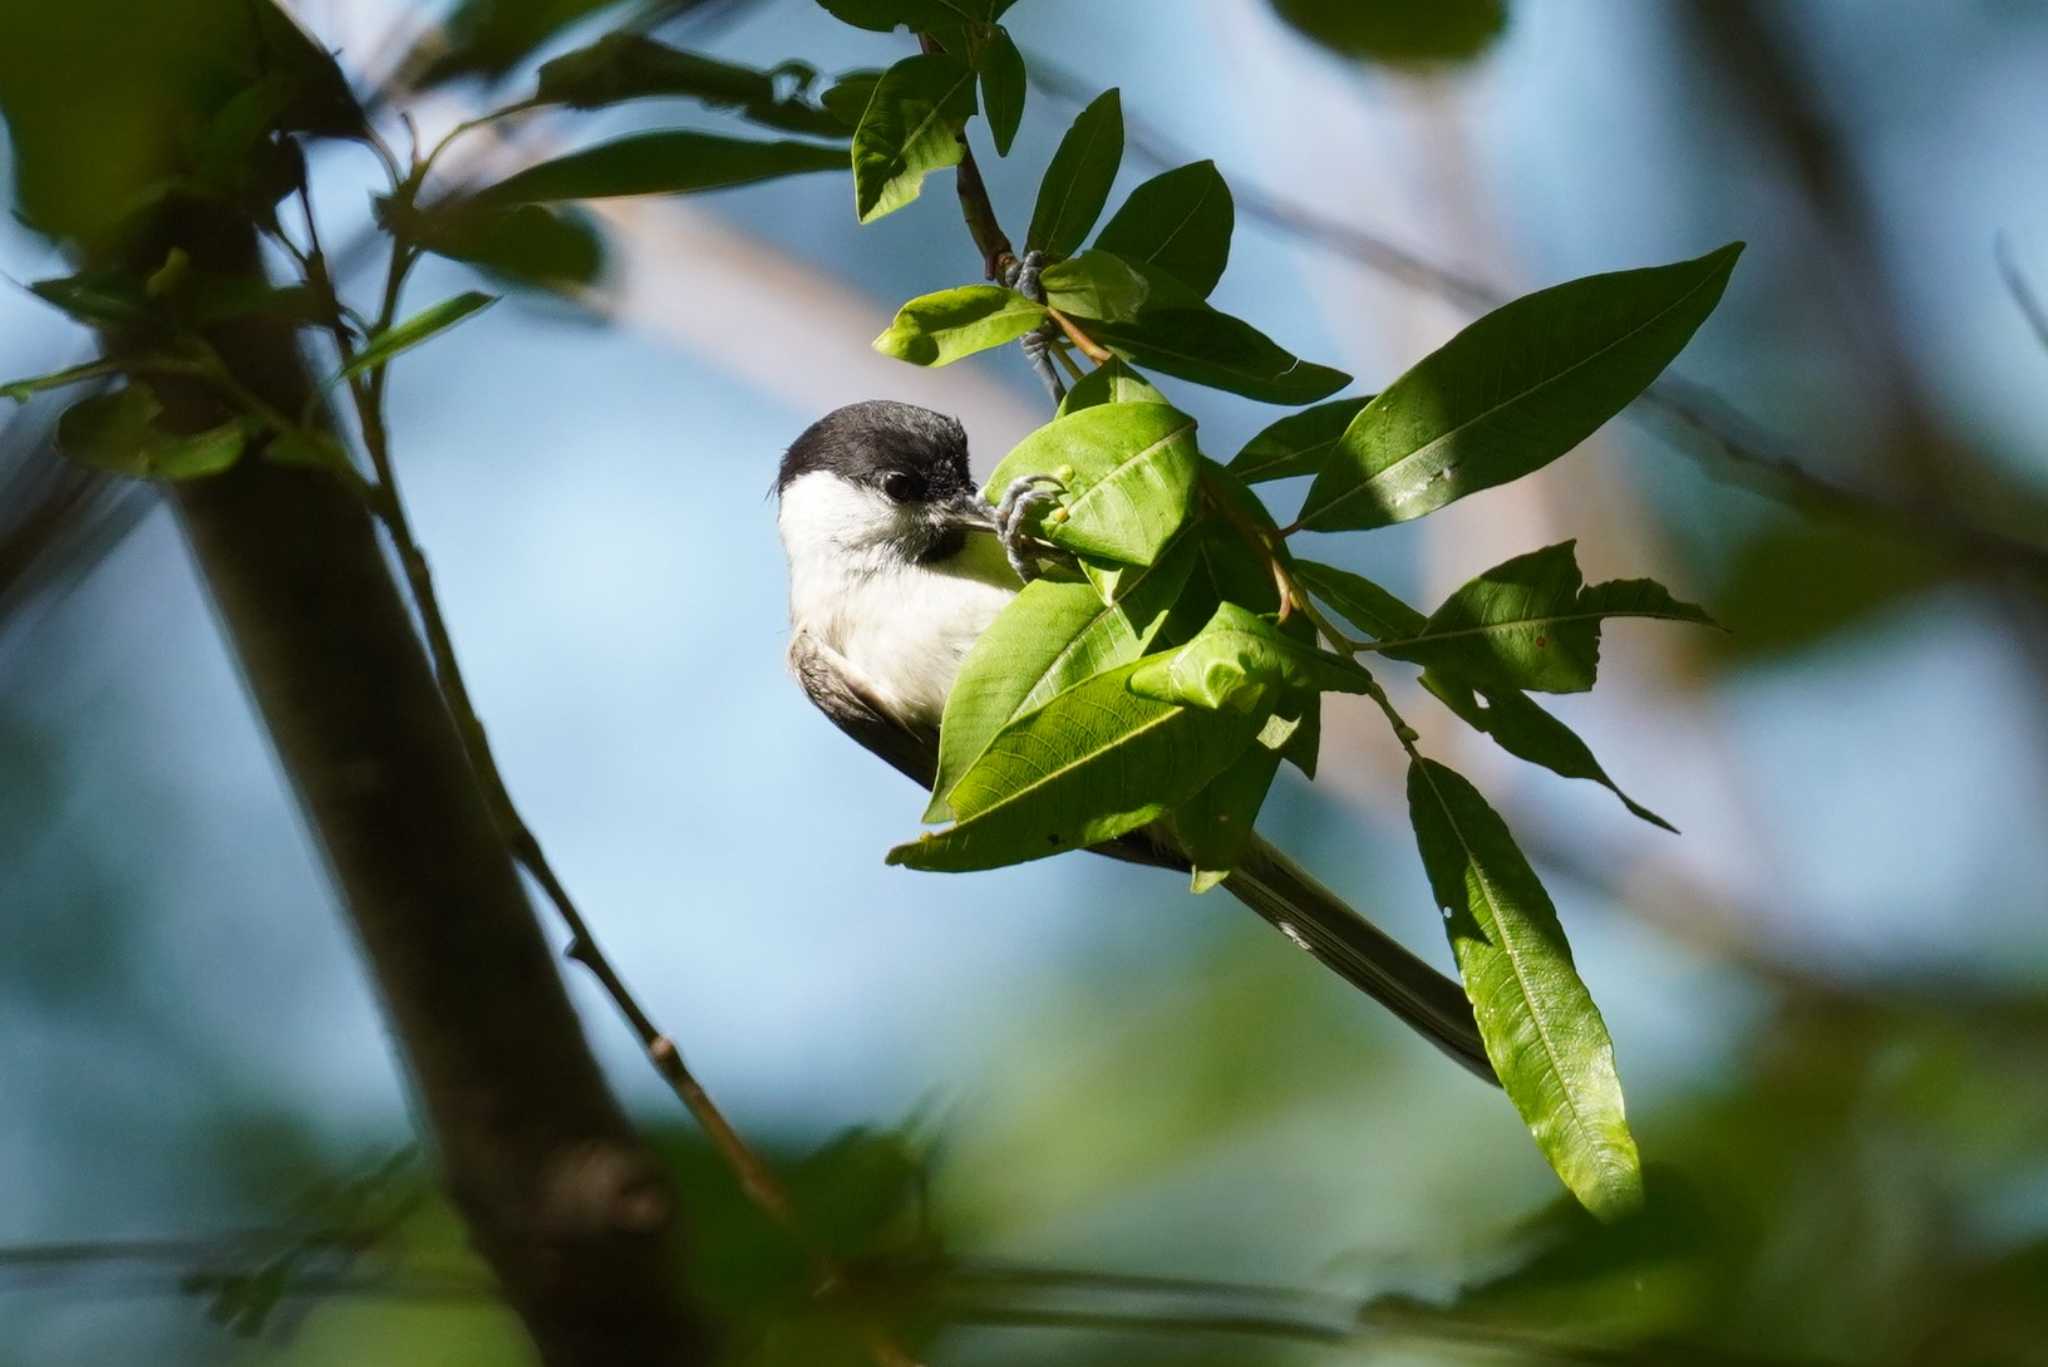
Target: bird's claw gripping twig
x=1026 y=494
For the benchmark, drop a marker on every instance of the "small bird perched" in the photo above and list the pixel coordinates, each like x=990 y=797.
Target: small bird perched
x=897 y=565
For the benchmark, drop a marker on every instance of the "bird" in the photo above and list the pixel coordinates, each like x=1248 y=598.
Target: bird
x=897 y=564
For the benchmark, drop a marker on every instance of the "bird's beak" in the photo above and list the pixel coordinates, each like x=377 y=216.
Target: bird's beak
x=965 y=509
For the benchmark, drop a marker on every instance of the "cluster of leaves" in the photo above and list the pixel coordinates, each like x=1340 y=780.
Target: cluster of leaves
x=1160 y=684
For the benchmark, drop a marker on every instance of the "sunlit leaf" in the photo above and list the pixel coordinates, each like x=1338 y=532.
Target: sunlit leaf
x=1241 y=661
x=1093 y=763
x=668 y=163
x=1103 y=286
x=1525 y=730
x=938 y=329
x=1077 y=180
x=1129 y=472
x=1532 y=622
x=909 y=129
x=1298 y=444
x=1396 y=32
x=1110 y=382
x=1179 y=222
x=428 y=323
x=1004 y=83
x=1051 y=637
x=1543 y=1033
x=1513 y=392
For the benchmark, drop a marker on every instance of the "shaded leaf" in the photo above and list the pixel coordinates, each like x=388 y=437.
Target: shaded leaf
x=1179 y=222
x=112 y=431
x=1242 y=662
x=848 y=98
x=1215 y=825
x=1532 y=622
x=1094 y=763
x=1003 y=87
x=1222 y=352
x=938 y=329
x=96 y=296
x=631 y=66
x=1129 y=472
x=1359 y=601
x=550 y=246
x=1543 y=1033
x=1077 y=180
x=1298 y=444
x=1051 y=637
x=428 y=323
x=1525 y=730
x=667 y=163
x=490 y=37
x=22 y=390
x=1513 y=392
x=1401 y=34
x=909 y=129
x=1110 y=382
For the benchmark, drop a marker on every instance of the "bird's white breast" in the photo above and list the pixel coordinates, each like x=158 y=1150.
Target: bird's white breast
x=904 y=626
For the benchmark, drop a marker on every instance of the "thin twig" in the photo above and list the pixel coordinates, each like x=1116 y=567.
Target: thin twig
x=2022 y=292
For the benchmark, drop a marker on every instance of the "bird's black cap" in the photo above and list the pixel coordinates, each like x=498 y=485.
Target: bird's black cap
x=912 y=454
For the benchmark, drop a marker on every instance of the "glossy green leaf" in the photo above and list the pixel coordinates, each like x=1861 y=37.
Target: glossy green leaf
x=1222 y=352
x=1513 y=392
x=667 y=163
x=22 y=390
x=1129 y=472
x=1051 y=637
x=1093 y=763
x=938 y=329
x=1215 y=825
x=1077 y=181
x=1543 y=1033
x=1532 y=622
x=1110 y=382
x=1525 y=730
x=428 y=323
x=1243 y=662
x=1178 y=222
x=909 y=129
x=1298 y=444
x=1103 y=286
x=631 y=66
x=1004 y=84
x=1359 y=601
x=1400 y=34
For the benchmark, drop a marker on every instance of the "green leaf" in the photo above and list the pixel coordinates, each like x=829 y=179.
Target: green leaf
x=1179 y=222
x=96 y=296
x=1222 y=352
x=1214 y=826
x=631 y=66
x=306 y=448
x=938 y=329
x=1513 y=392
x=1051 y=637
x=1523 y=729
x=1401 y=34
x=1298 y=444
x=117 y=432
x=1110 y=382
x=910 y=128
x=429 y=322
x=1004 y=83
x=1532 y=622
x=1077 y=181
x=21 y=390
x=1103 y=286
x=848 y=98
x=547 y=246
x=1542 y=1031
x=884 y=16
x=1242 y=662
x=1093 y=763
x=1129 y=470
x=1364 y=604
x=490 y=37
x=667 y=163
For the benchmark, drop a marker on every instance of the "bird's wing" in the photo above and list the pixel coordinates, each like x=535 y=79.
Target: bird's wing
x=839 y=689
x=1266 y=881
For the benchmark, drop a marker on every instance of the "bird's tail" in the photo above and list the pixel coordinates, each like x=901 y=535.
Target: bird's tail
x=1363 y=955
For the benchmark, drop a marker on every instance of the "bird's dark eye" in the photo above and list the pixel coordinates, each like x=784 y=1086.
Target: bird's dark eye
x=902 y=487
